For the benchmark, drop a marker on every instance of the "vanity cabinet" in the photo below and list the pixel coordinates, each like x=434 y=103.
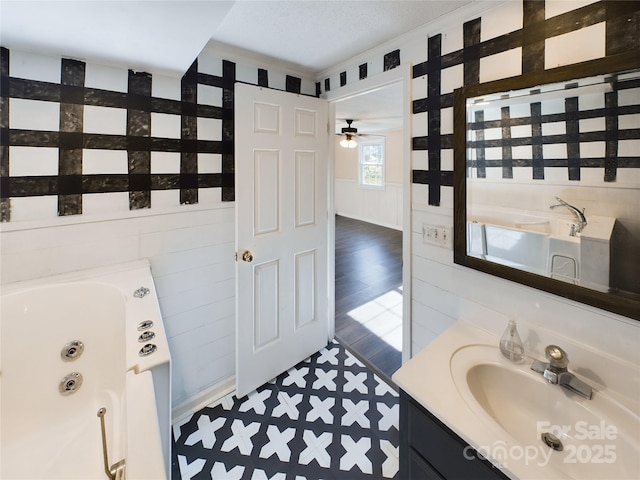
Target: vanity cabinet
x=429 y=450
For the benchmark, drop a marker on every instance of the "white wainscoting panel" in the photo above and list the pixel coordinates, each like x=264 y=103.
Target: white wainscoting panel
x=380 y=206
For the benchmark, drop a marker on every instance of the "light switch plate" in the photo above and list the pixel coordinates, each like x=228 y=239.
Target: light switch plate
x=436 y=235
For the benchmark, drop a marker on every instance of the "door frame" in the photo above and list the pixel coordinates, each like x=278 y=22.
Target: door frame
x=401 y=74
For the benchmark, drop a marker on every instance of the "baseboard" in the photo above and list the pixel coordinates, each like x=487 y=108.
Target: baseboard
x=202 y=399
x=369 y=220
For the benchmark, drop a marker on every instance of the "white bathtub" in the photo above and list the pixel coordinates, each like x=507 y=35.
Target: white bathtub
x=45 y=434
x=544 y=246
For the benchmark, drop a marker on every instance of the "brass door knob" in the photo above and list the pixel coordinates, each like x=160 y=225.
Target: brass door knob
x=247 y=256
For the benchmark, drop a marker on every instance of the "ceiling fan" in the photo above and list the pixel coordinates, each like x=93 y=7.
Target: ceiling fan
x=349 y=133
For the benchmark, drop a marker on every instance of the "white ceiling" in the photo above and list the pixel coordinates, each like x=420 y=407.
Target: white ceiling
x=322 y=33
x=372 y=112
x=153 y=36
x=165 y=36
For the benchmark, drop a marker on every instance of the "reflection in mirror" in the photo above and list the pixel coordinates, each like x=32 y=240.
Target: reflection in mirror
x=552 y=179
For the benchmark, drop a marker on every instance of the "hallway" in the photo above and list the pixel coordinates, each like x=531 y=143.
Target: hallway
x=368 y=280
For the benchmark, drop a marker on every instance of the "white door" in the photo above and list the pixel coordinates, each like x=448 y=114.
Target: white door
x=281 y=232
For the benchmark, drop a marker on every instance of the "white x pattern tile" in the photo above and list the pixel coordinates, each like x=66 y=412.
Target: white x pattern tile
x=316 y=449
x=356 y=454
x=256 y=402
x=278 y=443
x=356 y=412
x=321 y=409
x=206 y=432
x=241 y=437
x=220 y=471
x=288 y=405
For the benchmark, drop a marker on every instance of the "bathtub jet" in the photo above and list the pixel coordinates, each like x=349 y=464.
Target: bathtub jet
x=71 y=383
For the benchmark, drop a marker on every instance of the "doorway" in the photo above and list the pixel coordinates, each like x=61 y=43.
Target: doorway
x=372 y=227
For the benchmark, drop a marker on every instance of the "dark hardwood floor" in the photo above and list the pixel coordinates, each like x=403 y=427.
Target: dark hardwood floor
x=368 y=281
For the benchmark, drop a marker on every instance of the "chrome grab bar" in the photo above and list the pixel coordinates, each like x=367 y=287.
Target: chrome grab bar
x=116 y=471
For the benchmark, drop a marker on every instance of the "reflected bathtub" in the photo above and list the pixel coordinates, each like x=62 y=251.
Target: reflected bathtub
x=70 y=346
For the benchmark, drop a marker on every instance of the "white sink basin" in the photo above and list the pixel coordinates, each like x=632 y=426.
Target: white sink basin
x=600 y=437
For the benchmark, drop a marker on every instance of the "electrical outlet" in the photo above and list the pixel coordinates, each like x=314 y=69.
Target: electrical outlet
x=436 y=235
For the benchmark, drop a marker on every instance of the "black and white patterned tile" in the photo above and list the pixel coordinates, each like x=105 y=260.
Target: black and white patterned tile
x=327 y=418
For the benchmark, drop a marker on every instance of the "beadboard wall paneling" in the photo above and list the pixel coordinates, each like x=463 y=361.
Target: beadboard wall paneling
x=381 y=206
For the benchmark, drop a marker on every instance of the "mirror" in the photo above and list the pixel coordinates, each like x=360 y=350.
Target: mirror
x=547 y=181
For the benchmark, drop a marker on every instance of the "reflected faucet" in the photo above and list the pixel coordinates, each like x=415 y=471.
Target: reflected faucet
x=579 y=214
x=556 y=373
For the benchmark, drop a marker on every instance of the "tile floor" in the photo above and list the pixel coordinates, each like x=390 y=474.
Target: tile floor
x=327 y=418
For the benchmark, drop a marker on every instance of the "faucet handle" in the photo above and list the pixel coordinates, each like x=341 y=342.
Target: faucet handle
x=557 y=357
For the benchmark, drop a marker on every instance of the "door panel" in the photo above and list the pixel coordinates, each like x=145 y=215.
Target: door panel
x=305 y=122
x=266 y=118
x=305 y=188
x=266 y=191
x=265 y=321
x=281 y=218
x=305 y=288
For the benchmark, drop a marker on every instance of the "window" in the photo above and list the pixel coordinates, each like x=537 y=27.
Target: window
x=371 y=162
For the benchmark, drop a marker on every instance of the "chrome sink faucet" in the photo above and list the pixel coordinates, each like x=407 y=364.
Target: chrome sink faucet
x=579 y=214
x=556 y=373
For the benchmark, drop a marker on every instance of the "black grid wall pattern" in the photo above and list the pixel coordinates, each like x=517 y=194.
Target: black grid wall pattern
x=579 y=149
x=72 y=138
x=136 y=109
x=5 y=205
x=622 y=24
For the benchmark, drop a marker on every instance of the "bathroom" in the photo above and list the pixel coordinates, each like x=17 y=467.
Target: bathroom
x=53 y=223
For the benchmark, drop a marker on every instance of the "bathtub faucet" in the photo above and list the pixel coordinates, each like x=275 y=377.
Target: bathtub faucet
x=579 y=214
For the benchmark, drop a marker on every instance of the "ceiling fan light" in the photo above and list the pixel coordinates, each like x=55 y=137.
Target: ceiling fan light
x=348 y=142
